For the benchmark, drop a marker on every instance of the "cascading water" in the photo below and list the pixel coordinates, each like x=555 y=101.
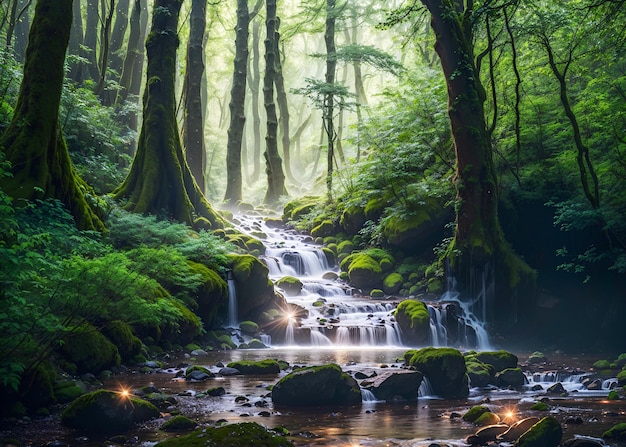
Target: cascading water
x=331 y=315
x=232 y=302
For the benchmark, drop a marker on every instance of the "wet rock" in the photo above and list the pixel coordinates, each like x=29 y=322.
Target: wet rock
x=268 y=366
x=179 y=423
x=367 y=374
x=510 y=377
x=226 y=371
x=317 y=385
x=557 y=388
x=390 y=384
x=216 y=392
x=617 y=432
x=444 y=368
x=517 y=429
x=490 y=432
x=545 y=433
x=500 y=360
x=577 y=420
x=232 y=435
x=198 y=373
x=199 y=353
x=582 y=442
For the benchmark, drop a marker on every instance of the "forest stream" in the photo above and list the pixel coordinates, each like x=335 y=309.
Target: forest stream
x=359 y=334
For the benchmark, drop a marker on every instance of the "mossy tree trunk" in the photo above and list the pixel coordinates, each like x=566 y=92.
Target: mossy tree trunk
x=329 y=99
x=91 y=39
x=479 y=247
x=159 y=181
x=193 y=125
x=33 y=142
x=76 y=44
x=273 y=162
x=237 y=106
x=255 y=82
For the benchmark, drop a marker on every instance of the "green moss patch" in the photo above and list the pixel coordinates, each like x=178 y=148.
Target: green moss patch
x=267 y=366
x=414 y=321
x=234 y=435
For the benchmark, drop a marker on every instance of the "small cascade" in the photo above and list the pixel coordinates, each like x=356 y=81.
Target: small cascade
x=290 y=339
x=233 y=320
x=319 y=339
x=426 y=389
x=367 y=396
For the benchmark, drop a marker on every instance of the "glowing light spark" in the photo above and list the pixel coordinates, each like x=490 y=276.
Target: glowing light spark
x=124 y=392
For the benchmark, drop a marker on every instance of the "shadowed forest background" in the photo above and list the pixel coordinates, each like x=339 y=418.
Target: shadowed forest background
x=422 y=139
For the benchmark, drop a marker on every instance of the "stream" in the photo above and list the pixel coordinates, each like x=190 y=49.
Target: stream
x=359 y=334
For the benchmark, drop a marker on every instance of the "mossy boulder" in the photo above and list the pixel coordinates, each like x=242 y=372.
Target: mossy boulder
x=67 y=391
x=323 y=229
x=474 y=413
x=245 y=434
x=480 y=374
x=545 y=433
x=352 y=219
x=539 y=406
x=537 y=357
x=617 y=432
x=317 y=385
x=500 y=360
x=364 y=272
x=198 y=373
x=389 y=385
x=377 y=293
x=510 y=377
x=291 y=285
x=107 y=411
x=37 y=386
x=414 y=322
x=179 y=423
x=374 y=208
x=345 y=247
x=444 y=368
x=248 y=327
x=255 y=290
x=392 y=283
x=90 y=350
x=621 y=378
x=121 y=335
x=267 y=366
x=297 y=208
x=487 y=418
x=211 y=295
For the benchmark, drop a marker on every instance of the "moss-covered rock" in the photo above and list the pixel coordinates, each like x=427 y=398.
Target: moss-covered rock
x=245 y=434
x=67 y=391
x=414 y=322
x=377 y=293
x=487 y=418
x=621 y=378
x=198 y=373
x=392 y=283
x=545 y=433
x=444 y=368
x=211 y=295
x=248 y=327
x=500 y=360
x=537 y=357
x=267 y=366
x=352 y=219
x=107 y=411
x=323 y=229
x=602 y=364
x=345 y=247
x=37 y=386
x=121 y=335
x=291 y=285
x=617 y=432
x=255 y=290
x=90 y=350
x=480 y=374
x=374 y=208
x=389 y=385
x=474 y=413
x=179 y=423
x=365 y=272
x=317 y=385
x=539 y=406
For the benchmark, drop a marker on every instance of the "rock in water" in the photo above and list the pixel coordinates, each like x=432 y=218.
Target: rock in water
x=517 y=429
x=545 y=433
x=317 y=385
x=490 y=432
x=233 y=435
x=390 y=384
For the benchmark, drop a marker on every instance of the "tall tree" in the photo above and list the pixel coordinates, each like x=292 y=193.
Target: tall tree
x=329 y=98
x=91 y=39
x=76 y=44
x=193 y=118
x=160 y=180
x=479 y=247
x=273 y=162
x=237 y=106
x=33 y=142
x=255 y=83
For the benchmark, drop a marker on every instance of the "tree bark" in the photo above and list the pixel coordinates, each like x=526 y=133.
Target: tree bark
x=479 y=247
x=117 y=35
x=33 y=143
x=193 y=122
x=329 y=99
x=237 y=106
x=159 y=181
x=255 y=82
x=273 y=162
x=91 y=39
x=76 y=42
x=105 y=41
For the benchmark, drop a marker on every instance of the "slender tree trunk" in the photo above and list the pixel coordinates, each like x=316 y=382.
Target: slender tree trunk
x=479 y=246
x=105 y=38
x=283 y=107
x=118 y=34
x=20 y=21
x=273 y=162
x=255 y=85
x=329 y=99
x=159 y=180
x=33 y=143
x=76 y=42
x=91 y=39
x=132 y=53
x=237 y=106
x=193 y=122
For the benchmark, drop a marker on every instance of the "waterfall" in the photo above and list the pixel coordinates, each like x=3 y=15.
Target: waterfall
x=425 y=389
x=233 y=320
x=367 y=396
x=319 y=339
x=289 y=336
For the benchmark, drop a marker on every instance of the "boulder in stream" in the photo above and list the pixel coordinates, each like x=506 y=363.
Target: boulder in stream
x=107 y=411
x=317 y=385
x=267 y=366
x=444 y=368
x=388 y=385
x=232 y=435
x=545 y=433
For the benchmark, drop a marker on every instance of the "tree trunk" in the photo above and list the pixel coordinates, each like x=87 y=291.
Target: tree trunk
x=273 y=162
x=117 y=35
x=283 y=107
x=75 y=45
x=329 y=99
x=91 y=39
x=479 y=247
x=193 y=122
x=40 y=161
x=105 y=40
x=237 y=106
x=255 y=82
x=132 y=53
x=159 y=180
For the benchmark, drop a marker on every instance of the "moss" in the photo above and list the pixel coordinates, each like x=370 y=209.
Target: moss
x=474 y=413
x=613 y=395
x=254 y=288
x=377 y=293
x=291 y=285
x=621 y=378
x=414 y=321
x=374 y=208
x=365 y=272
x=602 y=364
x=255 y=343
x=352 y=219
x=179 y=423
x=267 y=366
x=198 y=368
x=539 y=406
x=325 y=228
x=444 y=368
x=37 y=386
x=510 y=377
x=617 y=432
x=345 y=247
x=212 y=294
x=233 y=435
x=500 y=360
x=331 y=258
x=249 y=327
x=487 y=418
x=67 y=391
x=480 y=374
x=545 y=433
x=392 y=283
x=90 y=351
x=121 y=335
